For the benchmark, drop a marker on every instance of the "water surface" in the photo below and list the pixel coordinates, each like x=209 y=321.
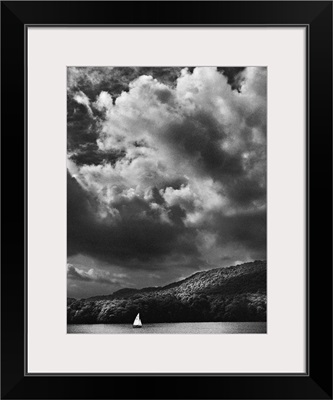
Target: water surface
x=180 y=327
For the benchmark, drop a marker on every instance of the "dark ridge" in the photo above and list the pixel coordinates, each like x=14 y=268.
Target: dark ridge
x=236 y=293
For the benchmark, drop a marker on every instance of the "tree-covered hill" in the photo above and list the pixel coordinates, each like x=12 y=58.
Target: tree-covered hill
x=236 y=293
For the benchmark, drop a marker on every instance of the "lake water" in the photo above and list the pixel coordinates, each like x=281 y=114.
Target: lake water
x=183 y=327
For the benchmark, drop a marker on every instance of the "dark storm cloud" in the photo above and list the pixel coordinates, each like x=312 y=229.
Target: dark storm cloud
x=233 y=75
x=93 y=276
x=245 y=191
x=138 y=234
x=200 y=138
x=81 y=127
x=92 y=155
x=247 y=229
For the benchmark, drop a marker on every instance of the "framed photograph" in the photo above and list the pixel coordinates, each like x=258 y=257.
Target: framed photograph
x=167 y=219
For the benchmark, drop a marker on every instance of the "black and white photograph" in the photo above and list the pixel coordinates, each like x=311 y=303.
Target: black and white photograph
x=166 y=200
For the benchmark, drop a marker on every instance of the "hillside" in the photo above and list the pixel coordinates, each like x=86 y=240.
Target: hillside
x=236 y=293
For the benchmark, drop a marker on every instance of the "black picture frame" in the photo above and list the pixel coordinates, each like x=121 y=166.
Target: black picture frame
x=316 y=383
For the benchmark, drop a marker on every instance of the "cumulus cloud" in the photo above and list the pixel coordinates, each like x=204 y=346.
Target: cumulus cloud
x=174 y=168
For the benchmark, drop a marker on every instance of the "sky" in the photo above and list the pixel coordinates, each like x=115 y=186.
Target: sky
x=166 y=173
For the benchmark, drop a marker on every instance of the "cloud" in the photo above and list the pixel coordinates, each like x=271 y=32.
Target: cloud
x=170 y=170
x=130 y=230
x=91 y=275
x=113 y=80
x=96 y=88
x=120 y=275
x=82 y=98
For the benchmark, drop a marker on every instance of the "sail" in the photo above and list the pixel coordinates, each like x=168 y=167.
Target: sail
x=137 y=321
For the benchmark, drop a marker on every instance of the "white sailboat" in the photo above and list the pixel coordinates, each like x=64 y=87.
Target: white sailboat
x=137 y=322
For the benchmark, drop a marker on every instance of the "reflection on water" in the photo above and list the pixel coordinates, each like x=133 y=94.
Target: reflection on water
x=182 y=327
